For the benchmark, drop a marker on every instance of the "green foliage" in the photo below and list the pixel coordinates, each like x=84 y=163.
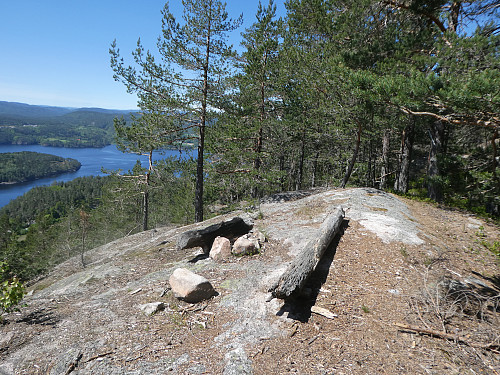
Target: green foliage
x=189 y=79
x=28 y=166
x=494 y=247
x=55 y=200
x=11 y=290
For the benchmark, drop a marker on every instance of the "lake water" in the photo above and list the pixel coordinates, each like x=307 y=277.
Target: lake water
x=92 y=160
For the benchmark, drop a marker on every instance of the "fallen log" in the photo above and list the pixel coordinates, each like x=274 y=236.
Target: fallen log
x=299 y=270
x=204 y=237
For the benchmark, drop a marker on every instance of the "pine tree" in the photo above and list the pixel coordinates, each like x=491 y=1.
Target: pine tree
x=242 y=136
x=195 y=60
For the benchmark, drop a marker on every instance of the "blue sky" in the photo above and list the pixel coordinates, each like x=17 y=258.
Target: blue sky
x=55 y=52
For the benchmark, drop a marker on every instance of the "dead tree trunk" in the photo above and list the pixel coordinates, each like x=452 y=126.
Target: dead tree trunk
x=297 y=273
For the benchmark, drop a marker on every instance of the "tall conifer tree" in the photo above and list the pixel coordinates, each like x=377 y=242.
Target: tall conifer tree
x=194 y=61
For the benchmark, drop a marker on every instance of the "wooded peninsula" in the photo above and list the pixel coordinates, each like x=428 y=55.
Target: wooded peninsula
x=16 y=167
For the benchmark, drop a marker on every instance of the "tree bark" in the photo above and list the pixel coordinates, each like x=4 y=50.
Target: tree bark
x=401 y=183
x=385 y=159
x=300 y=171
x=434 y=186
x=453 y=16
x=494 y=163
x=282 y=169
x=198 y=200
x=297 y=273
x=315 y=168
x=145 y=197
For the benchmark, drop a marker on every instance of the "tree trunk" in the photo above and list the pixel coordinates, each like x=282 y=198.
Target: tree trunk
x=385 y=159
x=198 y=203
x=145 y=210
x=145 y=197
x=494 y=163
x=300 y=172
x=315 y=169
x=353 y=159
x=282 y=169
x=84 y=223
x=434 y=186
x=401 y=183
x=453 y=16
x=198 y=199
x=304 y=264
x=260 y=138
x=370 y=173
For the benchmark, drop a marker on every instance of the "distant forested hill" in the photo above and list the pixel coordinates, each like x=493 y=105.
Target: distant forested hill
x=28 y=166
x=56 y=126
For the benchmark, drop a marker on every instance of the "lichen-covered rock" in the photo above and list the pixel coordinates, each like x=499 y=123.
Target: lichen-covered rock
x=189 y=286
x=221 y=249
x=245 y=245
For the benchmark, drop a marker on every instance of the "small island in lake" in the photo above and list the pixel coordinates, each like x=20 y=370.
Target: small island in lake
x=16 y=167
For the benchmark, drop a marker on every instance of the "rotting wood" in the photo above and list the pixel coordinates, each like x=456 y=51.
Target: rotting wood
x=299 y=270
x=448 y=336
x=204 y=237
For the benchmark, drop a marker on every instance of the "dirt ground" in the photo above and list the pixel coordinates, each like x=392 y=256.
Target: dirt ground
x=396 y=262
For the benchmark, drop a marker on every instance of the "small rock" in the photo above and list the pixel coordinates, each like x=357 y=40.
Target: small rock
x=245 y=246
x=474 y=224
x=257 y=234
x=152 y=308
x=189 y=286
x=5 y=339
x=221 y=249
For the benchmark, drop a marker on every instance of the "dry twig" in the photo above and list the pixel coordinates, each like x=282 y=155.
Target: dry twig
x=98 y=356
x=448 y=336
